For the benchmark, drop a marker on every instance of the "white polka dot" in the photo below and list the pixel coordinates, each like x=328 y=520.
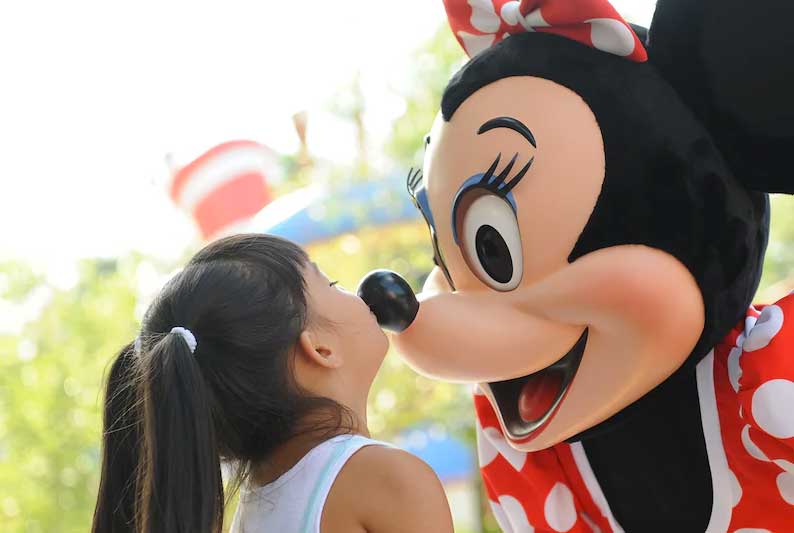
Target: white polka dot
x=785 y=484
x=513 y=456
x=772 y=408
x=559 y=508
x=785 y=465
x=765 y=328
x=749 y=322
x=474 y=44
x=734 y=370
x=611 y=36
x=510 y=13
x=750 y=446
x=535 y=20
x=736 y=490
x=515 y=515
x=501 y=517
x=486 y=452
x=483 y=16
x=751 y=530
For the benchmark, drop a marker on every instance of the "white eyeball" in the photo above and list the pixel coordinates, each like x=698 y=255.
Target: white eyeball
x=491 y=242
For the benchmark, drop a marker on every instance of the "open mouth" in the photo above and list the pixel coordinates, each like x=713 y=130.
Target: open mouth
x=525 y=405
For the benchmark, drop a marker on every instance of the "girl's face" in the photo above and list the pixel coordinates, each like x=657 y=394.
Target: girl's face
x=342 y=320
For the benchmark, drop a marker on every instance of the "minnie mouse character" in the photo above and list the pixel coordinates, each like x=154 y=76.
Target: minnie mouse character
x=599 y=218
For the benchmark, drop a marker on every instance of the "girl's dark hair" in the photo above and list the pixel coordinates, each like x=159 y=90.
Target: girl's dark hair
x=172 y=416
x=115 y=511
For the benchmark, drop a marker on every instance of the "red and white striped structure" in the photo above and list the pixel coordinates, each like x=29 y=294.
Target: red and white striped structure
x=225 y=186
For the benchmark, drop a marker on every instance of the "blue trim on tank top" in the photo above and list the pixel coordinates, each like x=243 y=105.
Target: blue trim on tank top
x=311 y=507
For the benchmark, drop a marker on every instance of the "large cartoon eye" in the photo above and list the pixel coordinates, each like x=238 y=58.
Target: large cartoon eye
x=491 y=242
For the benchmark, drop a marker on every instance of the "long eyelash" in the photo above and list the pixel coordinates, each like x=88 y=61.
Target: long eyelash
x=503 y=174
x=508 y=186
x=413 y=181
x=333 y=283
x=500 y=184
x=489 y=173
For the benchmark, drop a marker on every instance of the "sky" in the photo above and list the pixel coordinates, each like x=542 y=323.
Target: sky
x=96 y=93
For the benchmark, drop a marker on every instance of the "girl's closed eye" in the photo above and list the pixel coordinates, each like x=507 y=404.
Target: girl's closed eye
x=333 y=283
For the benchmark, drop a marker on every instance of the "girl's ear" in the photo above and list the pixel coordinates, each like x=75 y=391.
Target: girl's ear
x=317 y=353
x=732 y=63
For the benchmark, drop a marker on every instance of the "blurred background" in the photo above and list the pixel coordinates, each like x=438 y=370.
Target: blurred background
x=130 y=134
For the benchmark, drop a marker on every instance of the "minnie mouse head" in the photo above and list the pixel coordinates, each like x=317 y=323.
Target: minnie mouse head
x=600 y=219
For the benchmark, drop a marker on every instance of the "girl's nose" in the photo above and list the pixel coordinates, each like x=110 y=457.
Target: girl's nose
x=391 y=299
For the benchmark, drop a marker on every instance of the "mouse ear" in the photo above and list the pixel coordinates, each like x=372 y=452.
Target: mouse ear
x=732 y=62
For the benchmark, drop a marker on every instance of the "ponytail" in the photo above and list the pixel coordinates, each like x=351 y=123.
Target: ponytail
x=115 y=507
x=180 y=488
x=174 y=408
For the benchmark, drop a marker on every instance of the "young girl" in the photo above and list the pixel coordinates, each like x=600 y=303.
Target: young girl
x=252 y=357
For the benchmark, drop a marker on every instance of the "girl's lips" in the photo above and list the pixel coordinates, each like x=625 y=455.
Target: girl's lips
x=525 y=405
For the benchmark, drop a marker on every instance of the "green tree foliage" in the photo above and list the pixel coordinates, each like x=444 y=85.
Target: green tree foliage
x=778 y=278
x=50 y=374
x=433 y=65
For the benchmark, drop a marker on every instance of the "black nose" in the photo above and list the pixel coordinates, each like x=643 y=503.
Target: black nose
x=391 y=299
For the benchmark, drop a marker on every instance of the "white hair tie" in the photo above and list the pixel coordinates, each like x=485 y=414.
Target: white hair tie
x=185 y=333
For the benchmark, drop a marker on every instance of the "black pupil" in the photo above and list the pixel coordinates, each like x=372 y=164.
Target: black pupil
x=493 y=253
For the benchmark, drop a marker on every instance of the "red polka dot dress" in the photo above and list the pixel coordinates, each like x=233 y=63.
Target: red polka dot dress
x=746 y=393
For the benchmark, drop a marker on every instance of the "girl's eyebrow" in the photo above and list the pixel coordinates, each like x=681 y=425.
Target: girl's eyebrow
x=509 y=123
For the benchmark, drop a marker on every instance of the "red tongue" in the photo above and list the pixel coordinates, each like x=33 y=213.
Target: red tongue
x=538 y=394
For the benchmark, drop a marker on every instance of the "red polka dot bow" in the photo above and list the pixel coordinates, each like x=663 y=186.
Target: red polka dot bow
x=478 y=24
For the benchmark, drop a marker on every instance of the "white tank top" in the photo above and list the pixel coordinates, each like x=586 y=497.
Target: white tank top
x=294 y=502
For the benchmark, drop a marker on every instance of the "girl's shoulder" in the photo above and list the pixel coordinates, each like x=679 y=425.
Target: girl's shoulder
x=400 y=493
x=376 y=465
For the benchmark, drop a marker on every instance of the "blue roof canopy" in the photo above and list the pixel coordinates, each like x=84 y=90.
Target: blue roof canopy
x=450 y=459
x=320 y=213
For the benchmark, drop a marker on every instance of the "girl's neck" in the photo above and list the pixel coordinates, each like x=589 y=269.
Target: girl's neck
x=287 y=455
